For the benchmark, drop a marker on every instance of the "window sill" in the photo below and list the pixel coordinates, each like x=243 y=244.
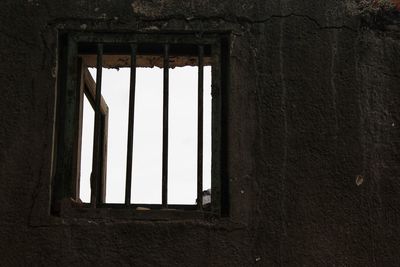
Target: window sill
x=73 y=210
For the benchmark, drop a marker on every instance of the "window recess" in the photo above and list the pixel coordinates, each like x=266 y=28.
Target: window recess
x=101 y=51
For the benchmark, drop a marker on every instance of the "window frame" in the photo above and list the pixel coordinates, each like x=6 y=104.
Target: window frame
x=73 y=74
x=88 y=90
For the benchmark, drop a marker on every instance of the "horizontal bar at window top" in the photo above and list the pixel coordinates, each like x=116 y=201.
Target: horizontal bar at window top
x=115 y=38
x=143 y=49
x=123 y=61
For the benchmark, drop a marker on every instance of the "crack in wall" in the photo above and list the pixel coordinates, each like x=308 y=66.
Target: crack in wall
x=246 y=20
x=233 y=19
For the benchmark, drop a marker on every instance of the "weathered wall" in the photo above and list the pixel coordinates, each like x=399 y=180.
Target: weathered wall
x=313 y=103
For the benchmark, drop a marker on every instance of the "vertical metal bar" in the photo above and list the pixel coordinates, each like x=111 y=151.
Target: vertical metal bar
x=216 y=128
x=165 y=128
x=200 y=93
x=96 y=164
x=130 y=126
x=81 y=82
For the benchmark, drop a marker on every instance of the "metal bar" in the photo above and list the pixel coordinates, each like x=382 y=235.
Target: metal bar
x=206 y=39
x=200 y=93
x=165 y=128
x=81 y=94
x=130 y=126
x=216 y=127
x=103 y=163
x=96 y=164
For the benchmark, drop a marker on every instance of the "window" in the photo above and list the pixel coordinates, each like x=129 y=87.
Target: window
x=83 y=56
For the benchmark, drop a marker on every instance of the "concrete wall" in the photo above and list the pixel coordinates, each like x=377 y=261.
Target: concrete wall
x=313 y=104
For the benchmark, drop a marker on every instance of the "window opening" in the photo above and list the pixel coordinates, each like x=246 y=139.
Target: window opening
x=172 y=108
x=147 y=141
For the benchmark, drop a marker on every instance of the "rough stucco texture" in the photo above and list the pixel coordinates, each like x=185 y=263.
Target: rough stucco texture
x=313 y=103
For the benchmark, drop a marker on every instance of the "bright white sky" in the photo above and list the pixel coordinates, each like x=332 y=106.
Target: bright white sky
x=147 y=147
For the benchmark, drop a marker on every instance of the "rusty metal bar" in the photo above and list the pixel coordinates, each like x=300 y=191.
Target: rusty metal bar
x=130 y=126
x=200 y=112
x=165 y=128
x=96 y=164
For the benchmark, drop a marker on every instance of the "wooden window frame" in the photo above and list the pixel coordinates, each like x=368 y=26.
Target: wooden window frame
x=88 y=90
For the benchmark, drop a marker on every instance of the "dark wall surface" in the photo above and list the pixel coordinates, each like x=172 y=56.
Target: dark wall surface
x=313 y=104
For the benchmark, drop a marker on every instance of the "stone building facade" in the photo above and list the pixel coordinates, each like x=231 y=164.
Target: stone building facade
x=312 y=134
